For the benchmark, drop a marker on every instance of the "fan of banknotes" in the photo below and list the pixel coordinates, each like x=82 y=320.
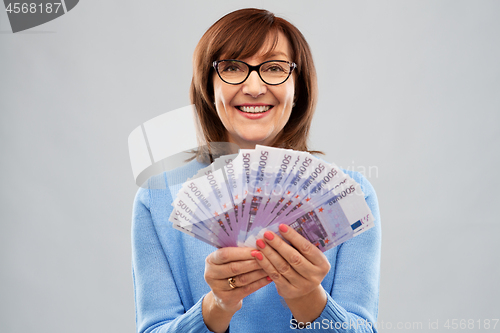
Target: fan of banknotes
x=234 y=200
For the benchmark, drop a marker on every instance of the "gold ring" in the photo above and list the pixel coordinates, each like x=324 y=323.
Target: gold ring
x=232 y=282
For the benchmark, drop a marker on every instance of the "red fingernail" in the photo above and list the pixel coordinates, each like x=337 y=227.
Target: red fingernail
x=283 y=227
x=259 y=256
x=269 y=235
x=253 y=253
x=260 y=243
x=268 y=278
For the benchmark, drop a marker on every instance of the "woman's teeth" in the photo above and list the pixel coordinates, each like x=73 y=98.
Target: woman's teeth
x=254 y=109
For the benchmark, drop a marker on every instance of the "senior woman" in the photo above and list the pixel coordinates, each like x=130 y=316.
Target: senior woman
x=254 y=82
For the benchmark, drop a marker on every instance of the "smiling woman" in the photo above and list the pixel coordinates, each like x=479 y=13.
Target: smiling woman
x=253 y=83
x=254 y=112
x=255 y=36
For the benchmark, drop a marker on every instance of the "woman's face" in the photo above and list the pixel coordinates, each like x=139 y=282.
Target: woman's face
x=235 y=103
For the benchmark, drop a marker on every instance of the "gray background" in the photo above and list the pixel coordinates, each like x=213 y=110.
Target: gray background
x=409 y=88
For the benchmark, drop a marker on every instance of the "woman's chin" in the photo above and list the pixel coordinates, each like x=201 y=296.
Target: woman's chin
x=252 y=135
x=250 y=142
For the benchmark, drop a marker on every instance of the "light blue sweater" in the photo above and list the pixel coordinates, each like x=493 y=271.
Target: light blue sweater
x=168 y=268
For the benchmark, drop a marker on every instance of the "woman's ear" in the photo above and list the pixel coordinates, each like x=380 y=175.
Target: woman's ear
x=296 y=92
x=295 y=98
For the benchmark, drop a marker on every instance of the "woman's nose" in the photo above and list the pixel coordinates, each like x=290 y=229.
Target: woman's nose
x=254 y=86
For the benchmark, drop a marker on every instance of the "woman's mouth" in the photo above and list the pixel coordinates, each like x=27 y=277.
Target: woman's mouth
x=254 y=109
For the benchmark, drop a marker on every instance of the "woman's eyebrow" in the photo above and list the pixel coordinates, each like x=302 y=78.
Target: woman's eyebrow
x=273 y=54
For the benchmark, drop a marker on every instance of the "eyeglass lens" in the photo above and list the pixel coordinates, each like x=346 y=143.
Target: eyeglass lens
x=274 y=72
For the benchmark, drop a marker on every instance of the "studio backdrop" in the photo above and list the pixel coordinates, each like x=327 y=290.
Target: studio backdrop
x=408 y=96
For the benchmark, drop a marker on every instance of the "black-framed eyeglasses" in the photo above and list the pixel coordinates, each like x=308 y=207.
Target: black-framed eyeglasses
x=272 y=72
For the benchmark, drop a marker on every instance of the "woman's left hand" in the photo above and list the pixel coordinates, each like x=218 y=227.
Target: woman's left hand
x=297 y=270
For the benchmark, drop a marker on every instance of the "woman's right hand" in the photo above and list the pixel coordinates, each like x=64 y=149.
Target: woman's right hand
x=223 y=301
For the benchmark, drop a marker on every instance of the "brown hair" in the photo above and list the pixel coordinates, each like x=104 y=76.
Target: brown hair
x=241 y=34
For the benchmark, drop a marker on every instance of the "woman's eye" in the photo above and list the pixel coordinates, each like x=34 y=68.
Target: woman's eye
x=274 y=68
x=231 y=68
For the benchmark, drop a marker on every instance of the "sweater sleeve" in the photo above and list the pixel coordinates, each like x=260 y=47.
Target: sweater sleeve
x=352 y=304
x=159 y=308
